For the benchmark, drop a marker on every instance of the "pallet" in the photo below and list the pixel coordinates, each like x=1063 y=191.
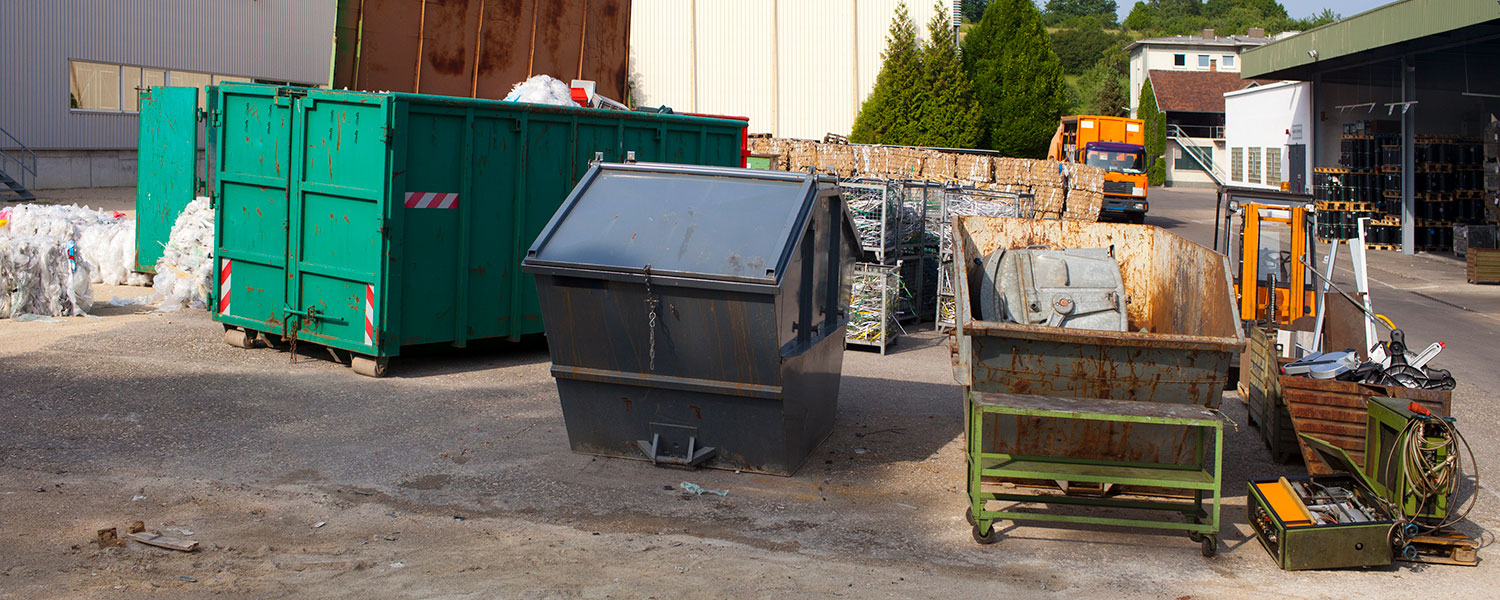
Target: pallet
x=1331 y=170
x=1386 y=221
x=1392 y=247
x=1483 y=265
x=1469 y=194
x=1446 y=547
x=1340 y=206
x=1390 y=169
x=1432 y=167
x=1433 y=223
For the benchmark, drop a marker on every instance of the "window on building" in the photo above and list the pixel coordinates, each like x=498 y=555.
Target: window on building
x=100 y=86
x=93 y=86
x=1203 y=61
x=1228 y=60
x=1185 y=161
x=130 y=79
x=1237 y=164
x=1254 y=165
x=1179 y=60
x=1273 y=166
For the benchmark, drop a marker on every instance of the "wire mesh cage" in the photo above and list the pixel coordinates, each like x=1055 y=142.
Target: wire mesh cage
x=964 y=201
x=875 y=294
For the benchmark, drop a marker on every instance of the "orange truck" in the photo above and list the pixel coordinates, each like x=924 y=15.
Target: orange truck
x=1115 y=144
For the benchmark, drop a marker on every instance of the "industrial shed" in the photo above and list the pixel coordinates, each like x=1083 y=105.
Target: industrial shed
x=1407 y=74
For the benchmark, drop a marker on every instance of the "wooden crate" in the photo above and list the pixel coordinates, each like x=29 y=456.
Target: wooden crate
x=1335 y=412
x=1484 y=265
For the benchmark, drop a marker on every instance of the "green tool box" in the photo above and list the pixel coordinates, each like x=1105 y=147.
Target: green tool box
x=1297 y=542
x=1388 y=418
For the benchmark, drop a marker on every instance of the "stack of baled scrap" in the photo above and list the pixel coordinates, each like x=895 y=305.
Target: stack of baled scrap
x=1085 y=192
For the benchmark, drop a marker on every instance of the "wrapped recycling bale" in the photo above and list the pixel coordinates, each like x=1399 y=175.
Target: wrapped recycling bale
x=974 y=168
x=836 y=159
x=1085 y=177
x=184 y=274
x=42 y=275
x=1083 y=205
x=1049 y=198
x=105 y=239
x=801 y=154
x=870 y=160
x=905 y=163
x=938 y=166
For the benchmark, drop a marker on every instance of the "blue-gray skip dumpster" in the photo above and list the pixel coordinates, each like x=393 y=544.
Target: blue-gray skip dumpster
x=696 y=315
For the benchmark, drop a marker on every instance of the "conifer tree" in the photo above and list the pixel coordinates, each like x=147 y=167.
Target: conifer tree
x=1156 y=134
x=886 y=117
x=950 y=116
x=1017 y=78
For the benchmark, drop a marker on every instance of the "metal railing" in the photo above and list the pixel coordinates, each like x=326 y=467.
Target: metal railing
x=1204 y=159
x=21 y=157
x=1200 y=131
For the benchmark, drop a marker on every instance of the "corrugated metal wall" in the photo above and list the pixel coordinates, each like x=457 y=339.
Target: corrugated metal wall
x=286 y=40
x=480 y=48
x=804 y=77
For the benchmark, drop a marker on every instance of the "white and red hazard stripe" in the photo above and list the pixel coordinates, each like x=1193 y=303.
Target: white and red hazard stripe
x=369 y=314
x=431 y=200
x=224 y=286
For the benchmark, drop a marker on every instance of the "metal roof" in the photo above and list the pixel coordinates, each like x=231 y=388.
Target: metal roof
x=1240 y=41
x=1386 y=32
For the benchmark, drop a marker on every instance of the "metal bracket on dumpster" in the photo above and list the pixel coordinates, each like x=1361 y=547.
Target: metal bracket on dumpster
x=657 y=449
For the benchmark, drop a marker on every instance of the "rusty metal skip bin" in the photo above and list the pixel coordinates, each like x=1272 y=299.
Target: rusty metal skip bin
x=1182 y=333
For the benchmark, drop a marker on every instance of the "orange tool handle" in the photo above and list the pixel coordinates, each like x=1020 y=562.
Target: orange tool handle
x=1419 y=409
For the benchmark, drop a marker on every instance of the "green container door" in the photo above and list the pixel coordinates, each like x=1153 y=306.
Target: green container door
x=336 y=251
x=166 y=176
x=302 y=203
x=251 y=220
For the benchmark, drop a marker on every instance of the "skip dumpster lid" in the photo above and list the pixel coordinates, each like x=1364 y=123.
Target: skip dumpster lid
x=703 y=222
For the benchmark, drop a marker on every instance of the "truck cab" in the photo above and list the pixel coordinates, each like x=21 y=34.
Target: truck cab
x=1115 y=144
x=1124 y=181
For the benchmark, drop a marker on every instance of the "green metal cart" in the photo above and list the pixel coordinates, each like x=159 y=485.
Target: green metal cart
x=991 y=459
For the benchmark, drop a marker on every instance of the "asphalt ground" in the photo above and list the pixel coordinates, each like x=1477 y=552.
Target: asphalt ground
x=453 y=477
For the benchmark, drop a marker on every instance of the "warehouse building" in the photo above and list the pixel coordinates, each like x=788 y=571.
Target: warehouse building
x=72 y=70
x=1404 y=92
x=792 y=75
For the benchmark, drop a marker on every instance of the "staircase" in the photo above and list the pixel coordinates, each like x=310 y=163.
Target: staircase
x=1204 y=160
x=15 y=165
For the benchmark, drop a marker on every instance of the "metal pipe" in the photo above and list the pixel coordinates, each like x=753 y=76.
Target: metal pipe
x=1408 y=165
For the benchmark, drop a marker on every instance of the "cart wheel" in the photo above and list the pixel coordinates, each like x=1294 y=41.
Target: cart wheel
x=1195 y=536
x=1210 y=546
x=969 y=516
x=239 y=338
x=370 y=366
x=986 y=538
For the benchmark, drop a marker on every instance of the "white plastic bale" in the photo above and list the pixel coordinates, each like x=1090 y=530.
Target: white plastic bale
x=184 y=274
x=42 y=275
x=106 y=240
x=542 y=89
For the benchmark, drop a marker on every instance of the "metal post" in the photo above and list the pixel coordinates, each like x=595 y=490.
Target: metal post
x=1408 y=168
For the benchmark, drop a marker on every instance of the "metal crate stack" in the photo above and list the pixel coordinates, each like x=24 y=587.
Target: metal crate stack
x=889 y=215
x=963 y=202
x=875 y=291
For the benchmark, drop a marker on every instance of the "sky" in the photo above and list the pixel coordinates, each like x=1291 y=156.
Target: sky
x=1301 y=8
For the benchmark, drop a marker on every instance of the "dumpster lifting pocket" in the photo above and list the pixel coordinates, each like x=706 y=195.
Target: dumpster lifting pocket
x=675 y=445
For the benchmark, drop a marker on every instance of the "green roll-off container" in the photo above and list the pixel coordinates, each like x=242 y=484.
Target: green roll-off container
x=370 y=222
